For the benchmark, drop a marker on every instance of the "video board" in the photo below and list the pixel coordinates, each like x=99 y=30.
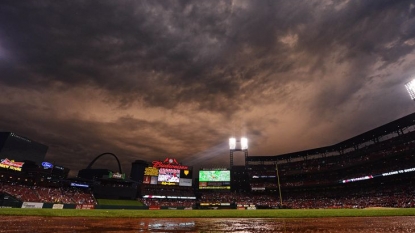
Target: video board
x=169 y=175
x=214 y=175
x=367 y=177
x=168 y=172
x=214 y=179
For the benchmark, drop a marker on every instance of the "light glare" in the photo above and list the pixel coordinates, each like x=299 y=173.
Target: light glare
x=410 y=87
x=244 y=143
x=232 y=143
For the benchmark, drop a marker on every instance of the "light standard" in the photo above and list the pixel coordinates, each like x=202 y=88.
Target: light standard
x=243 y=148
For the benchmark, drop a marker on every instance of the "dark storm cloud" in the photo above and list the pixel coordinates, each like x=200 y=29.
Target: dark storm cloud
x=143 y=79
x=367 y=32
x=133 y=47
x=127 y=48
x=87 y=138
x=128 y=138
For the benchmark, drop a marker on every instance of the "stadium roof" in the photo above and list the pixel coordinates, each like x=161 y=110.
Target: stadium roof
x=374 y=134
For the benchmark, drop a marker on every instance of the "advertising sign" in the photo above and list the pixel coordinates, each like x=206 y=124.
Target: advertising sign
x=85 y=207
x=185 y=182
x=146 y=179
x=57 y=206
x=116 y=175
x=215 y=175
x=11 y=164
x=32 y=205
x=79 y=185
x=151 y=171
x=186 y=174
x=169 y=175
x=47 y=165
x=153 y=180
x=169 y=163
x=168 y=172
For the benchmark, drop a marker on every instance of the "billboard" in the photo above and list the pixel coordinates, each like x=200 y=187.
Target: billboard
x=116 y=175
x=186 y=177
x=214 y=179
x=74 y=184
x=185 y=182
x=11 y=164
x=32 y=205
x=215 y=175
x=367 y=177
x=168 y=172
x=150 y=180
x=47 y=165
x=168 y=175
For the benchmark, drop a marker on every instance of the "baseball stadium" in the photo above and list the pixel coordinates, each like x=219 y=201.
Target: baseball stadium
x=371 y=171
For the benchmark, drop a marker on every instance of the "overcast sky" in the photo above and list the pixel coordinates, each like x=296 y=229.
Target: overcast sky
x=147 y=80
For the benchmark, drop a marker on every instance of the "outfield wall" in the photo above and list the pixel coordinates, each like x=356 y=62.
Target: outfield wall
x=40 y=205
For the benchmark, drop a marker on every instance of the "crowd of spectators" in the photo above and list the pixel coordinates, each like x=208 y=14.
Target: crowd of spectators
x=168 y=202
x=62 y=195
x=387 y=156
x=398 y=195
x=239 y=198
x=163 y=190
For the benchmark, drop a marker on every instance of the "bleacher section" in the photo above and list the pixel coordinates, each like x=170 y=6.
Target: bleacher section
x=62 y=195
x=376 y=168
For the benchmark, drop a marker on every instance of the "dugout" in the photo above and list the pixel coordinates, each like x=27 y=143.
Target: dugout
x=8 y=201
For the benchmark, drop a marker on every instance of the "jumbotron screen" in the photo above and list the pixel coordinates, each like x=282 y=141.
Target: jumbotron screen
x=215 y=175
x=214 y=179
x=169 y=175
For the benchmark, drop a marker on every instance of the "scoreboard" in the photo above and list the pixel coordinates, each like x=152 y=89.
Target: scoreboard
x=168 y=172
x=214 y=179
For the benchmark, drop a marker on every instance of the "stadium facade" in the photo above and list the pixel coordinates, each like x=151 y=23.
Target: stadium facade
x=19 y=148
x=374 y=165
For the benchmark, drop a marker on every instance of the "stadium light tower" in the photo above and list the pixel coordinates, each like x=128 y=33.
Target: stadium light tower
x=232 y=143
x=233 y=148
x=410 y=87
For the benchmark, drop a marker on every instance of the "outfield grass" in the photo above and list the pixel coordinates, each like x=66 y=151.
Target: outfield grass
x=295 y=213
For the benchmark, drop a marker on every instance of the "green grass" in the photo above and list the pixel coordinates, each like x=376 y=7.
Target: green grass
x=296 y=213
x=119 y=202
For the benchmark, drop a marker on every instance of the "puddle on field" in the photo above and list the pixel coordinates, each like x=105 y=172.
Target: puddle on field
x=363 y=225
x=309 y=225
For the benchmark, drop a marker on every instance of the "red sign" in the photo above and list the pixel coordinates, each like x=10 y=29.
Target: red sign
x=11 y=164
x=169 y=163
x=85 y=207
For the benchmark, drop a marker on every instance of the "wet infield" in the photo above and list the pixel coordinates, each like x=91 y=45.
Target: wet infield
x=286 y=225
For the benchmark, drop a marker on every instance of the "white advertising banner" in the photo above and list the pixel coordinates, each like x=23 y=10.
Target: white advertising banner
x=57 y=206
x=185 y=182
x=32 y=205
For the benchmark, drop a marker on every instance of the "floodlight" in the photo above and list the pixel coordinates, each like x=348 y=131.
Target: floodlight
x=410 y=87
x=244 y=143
x=232 y=143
